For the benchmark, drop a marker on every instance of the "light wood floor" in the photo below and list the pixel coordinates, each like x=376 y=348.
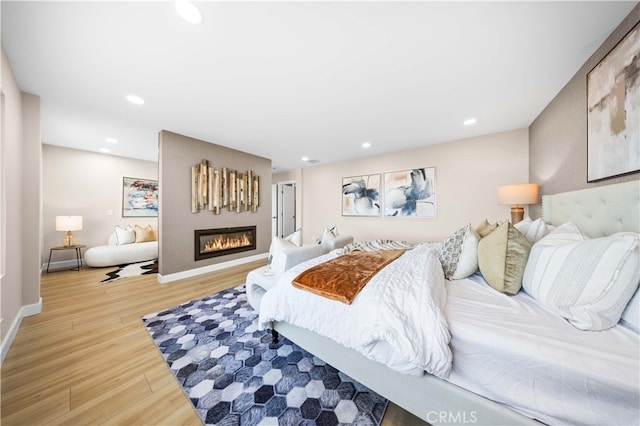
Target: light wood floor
x=87 y=358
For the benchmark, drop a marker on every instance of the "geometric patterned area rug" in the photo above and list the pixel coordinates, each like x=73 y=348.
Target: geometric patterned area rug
x=234 y=375
x=132 y=270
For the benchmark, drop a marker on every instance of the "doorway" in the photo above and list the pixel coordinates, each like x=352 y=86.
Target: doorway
x=283 y=206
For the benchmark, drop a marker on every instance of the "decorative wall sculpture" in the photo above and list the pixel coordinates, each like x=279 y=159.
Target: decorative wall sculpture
x=214 y=189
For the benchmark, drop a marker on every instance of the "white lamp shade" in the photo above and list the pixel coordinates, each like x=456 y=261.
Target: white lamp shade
x=68 y=223
x=525 y=193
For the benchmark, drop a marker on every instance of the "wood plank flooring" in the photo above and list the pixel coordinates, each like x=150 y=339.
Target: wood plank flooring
x=87 y=359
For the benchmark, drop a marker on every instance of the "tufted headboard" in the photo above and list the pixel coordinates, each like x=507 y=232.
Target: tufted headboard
x=598 y=211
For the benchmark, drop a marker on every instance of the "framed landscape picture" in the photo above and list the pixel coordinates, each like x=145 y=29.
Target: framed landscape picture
x=410 y=193
x=139 y=197
x=361 y=195
x=613 y=111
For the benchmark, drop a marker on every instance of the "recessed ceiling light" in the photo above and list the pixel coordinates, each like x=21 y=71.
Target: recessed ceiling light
x=135 y=99
x=189 y=12
x=366 y=145
x=111 y=140
x=469 y=122
x=105 y=150
x=305 y=159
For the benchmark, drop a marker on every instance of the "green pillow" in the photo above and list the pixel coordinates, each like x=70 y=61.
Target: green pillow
x=502 y=257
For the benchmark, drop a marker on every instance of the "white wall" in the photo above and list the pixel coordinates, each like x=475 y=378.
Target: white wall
x=21 y=204
x=468 y=173
x=87 y=184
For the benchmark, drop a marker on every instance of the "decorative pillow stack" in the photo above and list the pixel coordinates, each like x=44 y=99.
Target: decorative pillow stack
x=502 y=257
x=587 y=281
x=459 y=253
x=129 y=235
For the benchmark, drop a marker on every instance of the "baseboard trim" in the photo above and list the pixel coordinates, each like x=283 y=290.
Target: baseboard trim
x=66 y=264
x=24 y=311
x=164 y=279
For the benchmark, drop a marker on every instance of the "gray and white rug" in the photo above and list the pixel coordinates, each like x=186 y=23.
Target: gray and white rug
x=234 y=375
x=132 y=270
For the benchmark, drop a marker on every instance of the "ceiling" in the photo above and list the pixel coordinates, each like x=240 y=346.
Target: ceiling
x=284 y=80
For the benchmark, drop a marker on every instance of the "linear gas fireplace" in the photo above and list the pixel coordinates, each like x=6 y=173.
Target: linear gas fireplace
x=223 y=241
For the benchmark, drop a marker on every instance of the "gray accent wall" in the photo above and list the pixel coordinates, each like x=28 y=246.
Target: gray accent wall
x=176 y=222
x=558 y=136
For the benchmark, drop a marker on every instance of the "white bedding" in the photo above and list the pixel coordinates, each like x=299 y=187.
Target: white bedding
x=386 y=320
x=515 y=351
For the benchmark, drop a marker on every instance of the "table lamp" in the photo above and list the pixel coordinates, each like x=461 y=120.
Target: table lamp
x=525 y=193
x=68 y=223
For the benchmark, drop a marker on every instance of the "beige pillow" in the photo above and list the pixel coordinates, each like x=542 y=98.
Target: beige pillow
x=502 y=257
x=145 y=234
x=485 y=228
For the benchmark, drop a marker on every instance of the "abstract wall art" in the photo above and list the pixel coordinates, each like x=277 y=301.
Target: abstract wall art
x=139 y=197
x=361 y=195
x=410 y=193
x=613 y=111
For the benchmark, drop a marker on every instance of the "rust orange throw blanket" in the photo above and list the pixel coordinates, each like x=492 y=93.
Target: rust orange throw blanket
x=342 y=278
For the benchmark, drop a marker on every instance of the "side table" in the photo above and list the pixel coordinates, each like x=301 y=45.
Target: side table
x=258 y=282
x=78 y=255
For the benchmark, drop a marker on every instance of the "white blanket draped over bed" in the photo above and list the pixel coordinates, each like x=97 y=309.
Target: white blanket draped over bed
x=386 y=321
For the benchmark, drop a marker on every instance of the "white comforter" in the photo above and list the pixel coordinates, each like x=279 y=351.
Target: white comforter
x=397 y=319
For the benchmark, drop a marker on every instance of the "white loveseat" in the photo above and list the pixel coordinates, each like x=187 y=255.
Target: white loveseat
x=114 y=254
x=262 y=279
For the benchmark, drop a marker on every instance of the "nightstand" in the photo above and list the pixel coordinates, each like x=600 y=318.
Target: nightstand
x=77 y=248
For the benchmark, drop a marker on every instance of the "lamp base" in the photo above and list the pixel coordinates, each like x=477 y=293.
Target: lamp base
x=517 y=214
x=69 y=240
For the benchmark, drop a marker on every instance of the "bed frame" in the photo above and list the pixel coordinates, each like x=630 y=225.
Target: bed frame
x=597 y=211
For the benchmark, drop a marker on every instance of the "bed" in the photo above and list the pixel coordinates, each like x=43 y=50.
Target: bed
x=497 y=377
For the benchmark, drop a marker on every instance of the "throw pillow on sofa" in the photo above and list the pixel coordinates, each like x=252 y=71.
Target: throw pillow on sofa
x=125 y=236
x=145 y=234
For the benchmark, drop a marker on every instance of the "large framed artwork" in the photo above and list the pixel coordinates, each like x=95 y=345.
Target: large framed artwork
x=613 y=111
x=410 y=193
x=139 y=197
x=361 y=195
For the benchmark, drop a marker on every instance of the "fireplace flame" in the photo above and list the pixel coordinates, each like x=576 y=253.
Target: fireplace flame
x=225 y=242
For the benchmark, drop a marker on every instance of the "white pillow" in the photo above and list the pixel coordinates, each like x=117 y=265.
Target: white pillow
x=328 y=236
x=587 y=281
x=631 y=314
x=277 y=245
x=459 y=253
x=532 y=230
x=295 y=237
x=125 y=236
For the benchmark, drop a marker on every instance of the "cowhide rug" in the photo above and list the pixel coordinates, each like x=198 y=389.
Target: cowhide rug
x=132 y=270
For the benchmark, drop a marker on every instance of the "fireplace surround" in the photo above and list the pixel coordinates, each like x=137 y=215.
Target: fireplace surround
x=223 y=241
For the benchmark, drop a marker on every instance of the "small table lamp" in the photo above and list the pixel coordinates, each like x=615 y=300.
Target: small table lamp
x=68 y=223
x=526 y=193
